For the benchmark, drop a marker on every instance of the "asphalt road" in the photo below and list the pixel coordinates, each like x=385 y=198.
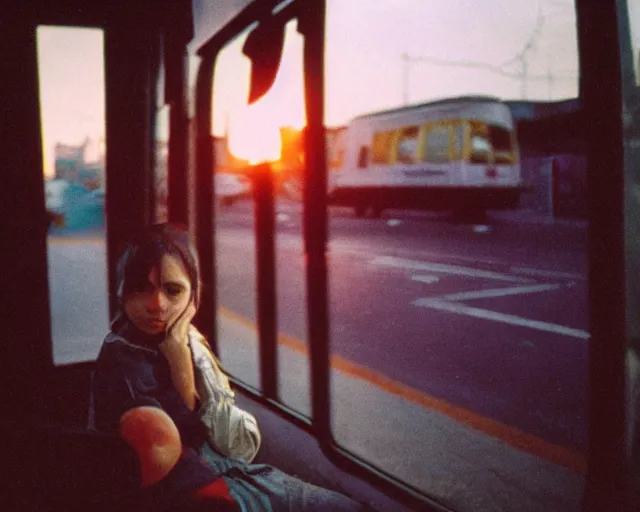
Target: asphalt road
x=490 y=317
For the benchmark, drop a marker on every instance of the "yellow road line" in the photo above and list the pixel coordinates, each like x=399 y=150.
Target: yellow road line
x=559 y=455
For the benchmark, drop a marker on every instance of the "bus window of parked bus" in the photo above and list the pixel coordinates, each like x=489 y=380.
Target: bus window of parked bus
x=381 y=147
x=501 y=145
x=335 y=148
x=407 y=145
x=436 y=147
x=480 y=143
x=71 y=77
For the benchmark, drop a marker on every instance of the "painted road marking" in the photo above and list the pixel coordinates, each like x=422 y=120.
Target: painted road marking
x=547 y=273
x=523 y=441
x=338 y=246
x=390 y=261
x=497 y=292
x=425 y=279
x=487 y=314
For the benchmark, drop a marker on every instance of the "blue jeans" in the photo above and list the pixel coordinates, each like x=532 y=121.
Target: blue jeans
x=260 y=487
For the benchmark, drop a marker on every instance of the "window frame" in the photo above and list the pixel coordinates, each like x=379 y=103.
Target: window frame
x=312 y=19
x=606 y=487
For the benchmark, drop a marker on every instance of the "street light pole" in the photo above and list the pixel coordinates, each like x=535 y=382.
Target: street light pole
x=405 y=78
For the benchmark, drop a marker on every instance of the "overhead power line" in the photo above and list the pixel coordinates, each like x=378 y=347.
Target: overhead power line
x=521 y=58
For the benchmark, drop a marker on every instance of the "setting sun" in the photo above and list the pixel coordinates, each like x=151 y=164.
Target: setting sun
x=254 y=134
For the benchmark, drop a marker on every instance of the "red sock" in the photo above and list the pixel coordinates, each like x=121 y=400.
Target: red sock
x=216 y=491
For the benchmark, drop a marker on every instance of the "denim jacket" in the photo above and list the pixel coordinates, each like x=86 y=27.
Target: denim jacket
x=216 y=437
x=132 y=373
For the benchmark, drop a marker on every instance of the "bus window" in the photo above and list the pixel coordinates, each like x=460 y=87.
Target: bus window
x=407 y=145
x=230 y=257
x=335 y=148
x=381 y=147
x=460 y=336
x=480 y=143
x=242 y=133
x=71 y=76
x=500 y=140
x=436 y=147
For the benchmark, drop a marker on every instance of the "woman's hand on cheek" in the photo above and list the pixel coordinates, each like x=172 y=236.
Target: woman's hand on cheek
x=176 y=350
x=176 y=341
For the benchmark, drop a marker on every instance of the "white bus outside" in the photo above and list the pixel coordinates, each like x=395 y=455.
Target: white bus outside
x=457 y=154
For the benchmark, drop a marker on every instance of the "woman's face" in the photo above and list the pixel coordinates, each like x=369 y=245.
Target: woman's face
x=162 y=300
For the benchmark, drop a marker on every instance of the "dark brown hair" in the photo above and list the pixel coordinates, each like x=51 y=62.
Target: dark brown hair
x=145 y=251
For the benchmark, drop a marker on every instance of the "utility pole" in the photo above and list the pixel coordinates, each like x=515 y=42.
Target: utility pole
x=549 y=76
x=522 y=56
x=521 y=60
x=406 y=62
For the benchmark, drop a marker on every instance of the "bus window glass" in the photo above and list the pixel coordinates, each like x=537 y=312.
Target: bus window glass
x=381 y=147
x=407 y=145
x=242 y=133
x=458 y=304
x=437 y=144
x=335 y=148
x=480 y=149
x=500 y=140
x=71 y=76
x=480 y=144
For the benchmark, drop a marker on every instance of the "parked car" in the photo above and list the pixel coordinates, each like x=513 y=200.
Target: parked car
x=54 y=201
x=231 y=187
x=72 y=205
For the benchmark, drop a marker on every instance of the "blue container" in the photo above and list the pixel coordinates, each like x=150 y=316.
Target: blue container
x=83 y=209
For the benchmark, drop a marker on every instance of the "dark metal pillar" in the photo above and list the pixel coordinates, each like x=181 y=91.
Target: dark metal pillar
x=315 y=218
x=266 y=277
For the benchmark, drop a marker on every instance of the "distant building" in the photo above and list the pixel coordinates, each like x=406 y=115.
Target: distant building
x=549 y=128
x=553 y=148
x=72 y=166
x=68 y=161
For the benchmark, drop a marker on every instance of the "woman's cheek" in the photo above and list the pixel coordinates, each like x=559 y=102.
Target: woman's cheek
x=173 y=316
x=177 y=309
